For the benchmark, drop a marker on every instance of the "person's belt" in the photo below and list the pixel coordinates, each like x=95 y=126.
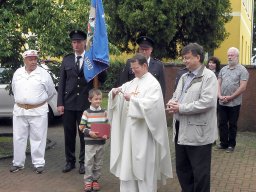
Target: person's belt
x=29 y=106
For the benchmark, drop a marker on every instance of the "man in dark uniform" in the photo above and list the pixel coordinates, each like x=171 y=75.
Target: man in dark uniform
x=73 y=98
x=156 y=67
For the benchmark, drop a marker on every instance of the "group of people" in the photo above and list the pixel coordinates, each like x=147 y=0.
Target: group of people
x=140 y=153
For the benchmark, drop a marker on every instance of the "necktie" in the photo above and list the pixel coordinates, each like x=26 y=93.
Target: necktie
x=78 y=63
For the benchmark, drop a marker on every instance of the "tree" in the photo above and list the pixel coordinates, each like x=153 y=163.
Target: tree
x=172 y=24
x=38 y=24
x=45 y=24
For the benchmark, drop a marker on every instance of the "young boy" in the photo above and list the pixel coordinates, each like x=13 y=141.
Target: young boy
x=94 y=145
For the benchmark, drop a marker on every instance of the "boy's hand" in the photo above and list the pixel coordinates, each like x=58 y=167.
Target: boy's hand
x=81 y=128
x=105 y=137
x=93 y=134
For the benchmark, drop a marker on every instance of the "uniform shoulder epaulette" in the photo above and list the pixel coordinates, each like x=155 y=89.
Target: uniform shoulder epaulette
x=69 y=54
x=157 y=59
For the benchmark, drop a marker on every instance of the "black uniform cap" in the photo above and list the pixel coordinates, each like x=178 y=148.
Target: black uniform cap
x=145 y=42
x=77 y=35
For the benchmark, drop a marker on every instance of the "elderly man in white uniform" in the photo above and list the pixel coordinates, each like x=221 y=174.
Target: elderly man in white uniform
x=32 y=87
x=140 y=153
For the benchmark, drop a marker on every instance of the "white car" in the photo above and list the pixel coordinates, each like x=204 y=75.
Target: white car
x=7 y=100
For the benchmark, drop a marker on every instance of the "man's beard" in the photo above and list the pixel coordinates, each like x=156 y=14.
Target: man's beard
x=232 y=63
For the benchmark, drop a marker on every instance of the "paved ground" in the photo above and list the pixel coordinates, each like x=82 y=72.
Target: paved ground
x=234 y=172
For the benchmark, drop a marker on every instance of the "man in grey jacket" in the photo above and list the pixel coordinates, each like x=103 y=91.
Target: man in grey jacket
x=194 y=121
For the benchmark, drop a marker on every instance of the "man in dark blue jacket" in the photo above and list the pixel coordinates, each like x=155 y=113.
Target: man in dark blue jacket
x=73 y=98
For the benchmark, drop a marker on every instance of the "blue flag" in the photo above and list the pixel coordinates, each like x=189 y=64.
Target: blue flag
x=96 y=55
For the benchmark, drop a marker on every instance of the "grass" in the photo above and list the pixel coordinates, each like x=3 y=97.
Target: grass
x=104 y=104
x=5 y=146
x=5 y=139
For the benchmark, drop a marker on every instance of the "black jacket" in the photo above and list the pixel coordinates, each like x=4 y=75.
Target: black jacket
x=73 y=88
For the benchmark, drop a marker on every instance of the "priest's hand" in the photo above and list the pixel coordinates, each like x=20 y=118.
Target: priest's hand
x=127 y=96
x=172 y=106
x=115 y=91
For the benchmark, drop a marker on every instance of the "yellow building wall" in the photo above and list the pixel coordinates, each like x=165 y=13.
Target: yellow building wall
x=240 y=32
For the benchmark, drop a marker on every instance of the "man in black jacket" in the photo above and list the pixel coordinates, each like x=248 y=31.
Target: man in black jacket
x=73 y=98
x=156 y=67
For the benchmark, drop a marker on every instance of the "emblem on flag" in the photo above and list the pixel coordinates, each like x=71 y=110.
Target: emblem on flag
x=96 y=57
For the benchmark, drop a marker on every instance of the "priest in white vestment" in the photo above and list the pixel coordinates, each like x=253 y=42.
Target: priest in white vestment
x=140 y=152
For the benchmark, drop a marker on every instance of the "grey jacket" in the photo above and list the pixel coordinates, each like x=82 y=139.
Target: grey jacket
x=197 y=110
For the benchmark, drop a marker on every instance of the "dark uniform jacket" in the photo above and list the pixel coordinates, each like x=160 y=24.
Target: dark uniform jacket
x=73 y=88
x=156 y=68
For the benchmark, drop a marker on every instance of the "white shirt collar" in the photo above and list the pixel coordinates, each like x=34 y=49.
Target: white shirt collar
x=94 y=109
x=82 y=55
x=81 y=60
x=148 y=60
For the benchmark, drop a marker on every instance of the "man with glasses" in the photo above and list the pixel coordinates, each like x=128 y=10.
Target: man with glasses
x=193 y=106
x=155 y=67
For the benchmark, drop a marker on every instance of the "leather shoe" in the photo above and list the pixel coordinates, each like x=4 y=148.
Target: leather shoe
x=68 y=167
x=81 y=168
x=220 y=147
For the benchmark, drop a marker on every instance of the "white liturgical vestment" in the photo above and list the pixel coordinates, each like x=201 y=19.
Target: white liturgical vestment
x=139 y=131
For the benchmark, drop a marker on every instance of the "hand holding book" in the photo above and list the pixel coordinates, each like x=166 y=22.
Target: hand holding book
x=101 y=129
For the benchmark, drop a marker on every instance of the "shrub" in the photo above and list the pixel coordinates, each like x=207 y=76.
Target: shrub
x=113 y=72
x=113 y=75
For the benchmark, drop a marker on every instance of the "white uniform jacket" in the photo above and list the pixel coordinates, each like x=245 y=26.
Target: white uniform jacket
x=34 y=88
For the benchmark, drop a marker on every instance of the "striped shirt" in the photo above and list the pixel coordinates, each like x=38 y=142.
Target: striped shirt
x=89 y=117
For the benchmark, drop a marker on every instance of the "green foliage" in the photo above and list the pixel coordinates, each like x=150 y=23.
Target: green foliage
x=53 y=67
x=113 y=74
x=38 y=24
x=104 y=104
x=170 y=23
x=45 y=25
x=203 y=22
x=5 y=146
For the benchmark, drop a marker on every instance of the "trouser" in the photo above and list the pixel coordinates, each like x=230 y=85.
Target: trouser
x=228 y=117
x=34 y=127
x=193 y=165
x=71 y=121
x=93 y=161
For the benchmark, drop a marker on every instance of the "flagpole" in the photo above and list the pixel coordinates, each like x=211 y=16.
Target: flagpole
x=96 y=82
x=92 y=14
